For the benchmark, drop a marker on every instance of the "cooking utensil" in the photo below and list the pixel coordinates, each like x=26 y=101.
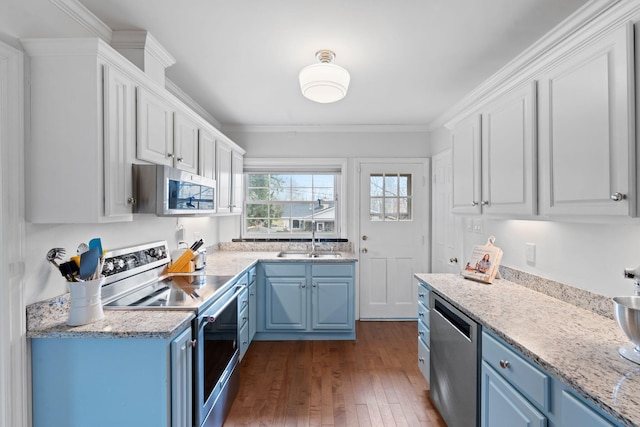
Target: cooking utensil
x=82 y=248
x=96 y=243
x=55 y=254
x=69 y=270
x=89 y=262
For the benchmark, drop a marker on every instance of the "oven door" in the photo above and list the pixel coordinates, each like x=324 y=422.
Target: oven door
x=216 y=358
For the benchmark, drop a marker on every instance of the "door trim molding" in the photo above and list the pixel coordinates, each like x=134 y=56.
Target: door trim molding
x=14 y=363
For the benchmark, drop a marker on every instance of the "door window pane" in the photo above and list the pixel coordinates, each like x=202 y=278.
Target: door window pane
x=390 y=197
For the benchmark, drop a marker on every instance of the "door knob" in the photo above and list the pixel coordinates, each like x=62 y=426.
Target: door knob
x=616 y=197
x=364 y=250
x=364 y=237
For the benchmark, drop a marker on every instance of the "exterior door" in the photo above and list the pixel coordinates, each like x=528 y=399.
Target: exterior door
x=443 y=258
x=393 y=237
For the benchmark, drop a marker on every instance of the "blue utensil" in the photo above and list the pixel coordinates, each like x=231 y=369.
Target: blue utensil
x=96 y=243
x=89 y=262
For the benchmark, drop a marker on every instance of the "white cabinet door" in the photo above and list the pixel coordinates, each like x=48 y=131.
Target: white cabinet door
x=237 y=182
x=587 y=145
x=223 y=171
x=185 y=143
x=509 y=172
x=119 y=143
x=155 y=128
x=207 y=155
x=465 y=152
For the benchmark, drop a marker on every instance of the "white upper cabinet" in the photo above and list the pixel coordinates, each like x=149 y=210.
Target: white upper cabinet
x=82 y=123
x=229 y=173
x=466 y=160
x=207 y=154
x=185 y=143
x=155 y=128
x=119 y=143
x=587 y=141
x=509 y=172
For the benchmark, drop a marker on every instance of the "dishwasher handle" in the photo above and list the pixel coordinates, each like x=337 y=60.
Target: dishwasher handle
x=456 y=321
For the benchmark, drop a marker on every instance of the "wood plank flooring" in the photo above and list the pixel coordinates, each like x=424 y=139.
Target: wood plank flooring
x=372 y=381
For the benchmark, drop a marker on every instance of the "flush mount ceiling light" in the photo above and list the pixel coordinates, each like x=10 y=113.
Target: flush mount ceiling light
x=324 y=82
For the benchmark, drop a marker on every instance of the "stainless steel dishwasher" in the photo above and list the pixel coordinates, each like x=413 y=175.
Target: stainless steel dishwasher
x=454 y=363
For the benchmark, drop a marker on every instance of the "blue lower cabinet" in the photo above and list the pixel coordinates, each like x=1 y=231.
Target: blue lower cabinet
x=424 y=352
x=305 y=300
x=517 y=392
x=79 y=382
x=503 y=406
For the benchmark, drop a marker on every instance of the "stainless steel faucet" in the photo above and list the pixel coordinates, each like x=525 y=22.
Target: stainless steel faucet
x=634 y=273
x=313 y=238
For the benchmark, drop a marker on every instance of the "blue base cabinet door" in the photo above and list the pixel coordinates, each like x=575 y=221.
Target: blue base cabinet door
x=332 y=303
x=286 y=303
x=503 y=406
x=577 y=413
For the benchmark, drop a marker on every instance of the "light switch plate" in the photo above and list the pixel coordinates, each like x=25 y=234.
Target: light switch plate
x=477 y=225
x=530 y=249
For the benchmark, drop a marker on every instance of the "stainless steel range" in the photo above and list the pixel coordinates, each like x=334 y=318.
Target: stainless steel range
x=136 y=280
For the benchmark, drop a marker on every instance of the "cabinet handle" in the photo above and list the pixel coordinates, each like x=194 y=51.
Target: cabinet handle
x=131 y=200
x=420 y=333
x=420 y=295
x=616 y=197
x=474 y=203
x=453 y=260
x=364 y=250
x=192 y=343
x=252 y=293
x=421 y=359
x=485 y=203
x=421 y=314
x=180 y=159
x=504 y=364
x=303 y=286
x=170 y=155
x=315 y=285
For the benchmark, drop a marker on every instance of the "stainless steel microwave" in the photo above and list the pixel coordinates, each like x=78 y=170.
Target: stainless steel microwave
x=166 y=191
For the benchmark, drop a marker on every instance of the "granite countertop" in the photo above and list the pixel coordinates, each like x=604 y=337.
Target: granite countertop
x=576 y=345
x=47 y=319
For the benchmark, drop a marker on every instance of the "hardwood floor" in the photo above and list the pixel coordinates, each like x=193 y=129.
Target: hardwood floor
x=372 y=381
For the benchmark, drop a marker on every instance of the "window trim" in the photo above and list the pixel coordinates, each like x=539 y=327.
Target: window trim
x=319 y=165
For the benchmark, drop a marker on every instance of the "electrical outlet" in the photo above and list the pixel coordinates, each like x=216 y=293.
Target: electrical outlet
x=468 y=224
x=530 y=250
x=196 y=235
x=181 y=234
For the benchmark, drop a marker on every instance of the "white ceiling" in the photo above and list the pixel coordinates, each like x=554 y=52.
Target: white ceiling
x=410 y=60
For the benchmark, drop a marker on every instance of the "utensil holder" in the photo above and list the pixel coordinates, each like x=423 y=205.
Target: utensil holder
x=86 y=302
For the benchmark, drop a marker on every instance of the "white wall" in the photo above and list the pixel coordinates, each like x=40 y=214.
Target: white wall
x=590 y=256
x=42 y=281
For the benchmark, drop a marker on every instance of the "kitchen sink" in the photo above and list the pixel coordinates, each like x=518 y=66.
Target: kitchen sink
x=305 y=255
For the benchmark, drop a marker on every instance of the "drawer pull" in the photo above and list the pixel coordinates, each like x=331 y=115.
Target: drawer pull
x=420 y=359
x=421 y=314
x=504 y=364
x=420 y=295
x=420 y=333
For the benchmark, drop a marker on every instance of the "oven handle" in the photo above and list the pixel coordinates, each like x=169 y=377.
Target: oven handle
x=210 y=318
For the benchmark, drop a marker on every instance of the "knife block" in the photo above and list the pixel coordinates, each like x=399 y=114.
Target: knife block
x=85 y=302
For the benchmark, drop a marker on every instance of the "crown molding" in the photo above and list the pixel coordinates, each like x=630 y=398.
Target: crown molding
x=83 y=16
x=526 y=62
x=141 y=39
x=325 y=128
x=186 y=99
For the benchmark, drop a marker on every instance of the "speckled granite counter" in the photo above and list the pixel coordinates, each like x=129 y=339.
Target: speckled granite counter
x=47 y=319
x=576 y=345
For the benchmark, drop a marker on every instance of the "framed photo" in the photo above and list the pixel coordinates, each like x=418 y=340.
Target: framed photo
x=483 y=263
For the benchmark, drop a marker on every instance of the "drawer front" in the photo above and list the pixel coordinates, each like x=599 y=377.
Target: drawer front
x=423 y=315
x=243 y=339
x=423 y=332
x=520 y=373
x=243 y=316
x=423 y=294
x=424 y=360
x=243 y=300
x=332 y=270
x=285 y=269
